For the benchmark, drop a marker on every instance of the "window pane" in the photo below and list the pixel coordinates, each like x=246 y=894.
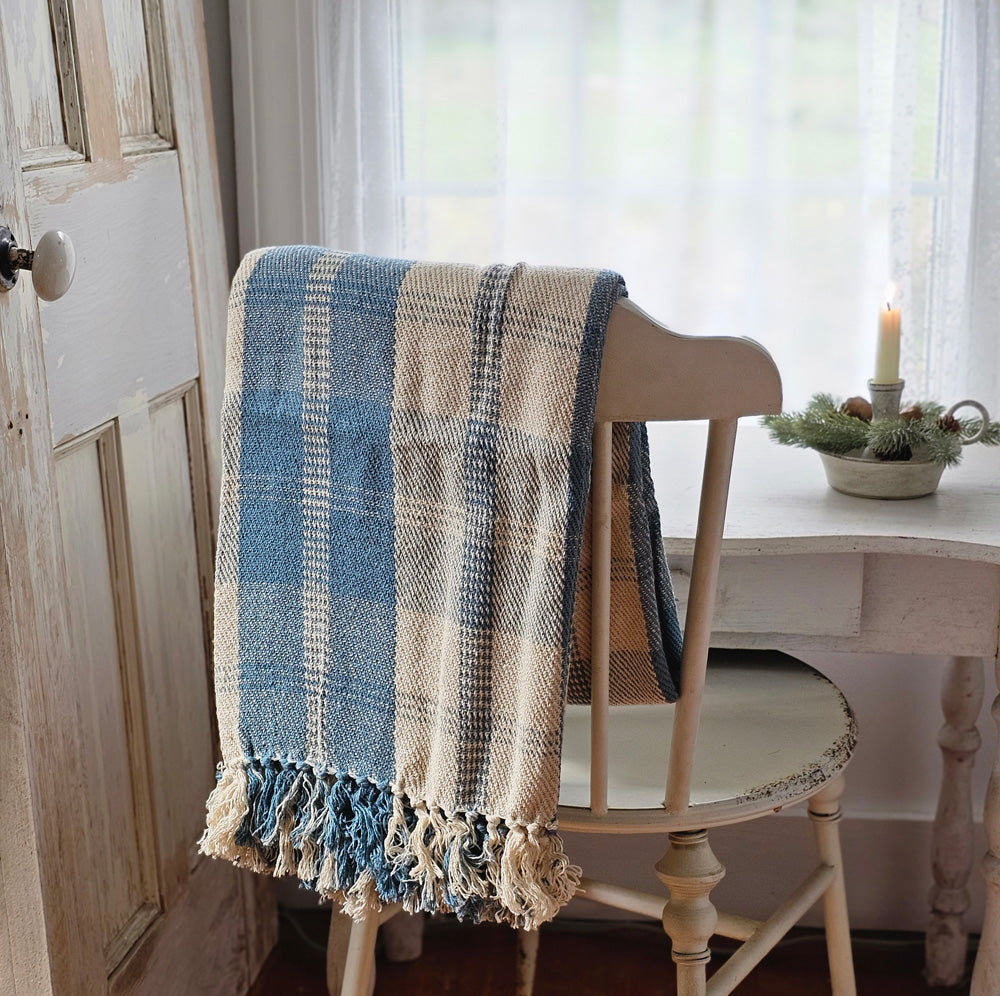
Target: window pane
x=738 y=161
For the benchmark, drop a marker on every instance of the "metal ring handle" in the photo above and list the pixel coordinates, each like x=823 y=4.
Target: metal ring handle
x=969 y=403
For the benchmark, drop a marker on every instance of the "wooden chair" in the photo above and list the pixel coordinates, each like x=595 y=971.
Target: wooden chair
x=751 y=732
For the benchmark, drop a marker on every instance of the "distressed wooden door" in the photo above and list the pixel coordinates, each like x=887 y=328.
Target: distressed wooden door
x=109 y=450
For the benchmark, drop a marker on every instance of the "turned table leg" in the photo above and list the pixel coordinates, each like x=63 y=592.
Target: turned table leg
x=952 y=840
x=986 y=975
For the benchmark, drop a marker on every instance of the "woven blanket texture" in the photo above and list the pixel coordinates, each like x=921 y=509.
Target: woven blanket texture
x=401 y=603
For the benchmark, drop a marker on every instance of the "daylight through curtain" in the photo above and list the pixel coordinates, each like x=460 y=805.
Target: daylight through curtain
x=755 y=167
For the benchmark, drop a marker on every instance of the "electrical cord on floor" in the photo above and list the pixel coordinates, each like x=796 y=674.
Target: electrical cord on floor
x=285 y=914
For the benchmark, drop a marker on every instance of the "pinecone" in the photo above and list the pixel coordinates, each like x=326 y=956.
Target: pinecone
x=912 y=414
x=948 y=423
x=903 y=453
x=858 y=407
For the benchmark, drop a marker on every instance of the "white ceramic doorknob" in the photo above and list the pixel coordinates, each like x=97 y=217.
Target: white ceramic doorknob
x=52 y=263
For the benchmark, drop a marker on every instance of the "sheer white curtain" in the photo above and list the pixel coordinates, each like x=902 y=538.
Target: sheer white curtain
x=359 y=123
x=756 y=167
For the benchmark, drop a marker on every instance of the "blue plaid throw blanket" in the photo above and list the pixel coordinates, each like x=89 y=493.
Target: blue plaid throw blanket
x=401 y=602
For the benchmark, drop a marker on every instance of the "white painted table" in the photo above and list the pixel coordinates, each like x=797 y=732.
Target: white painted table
x=807 y=569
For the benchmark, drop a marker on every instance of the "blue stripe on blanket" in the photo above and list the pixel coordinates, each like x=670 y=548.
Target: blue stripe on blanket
x=272 y=699
x=476 y=593
x=662 y=628
x=359 y=687
x=608 y=288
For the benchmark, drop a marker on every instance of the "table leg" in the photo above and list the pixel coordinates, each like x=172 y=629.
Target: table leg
x=986 y=975
x=952 y=840
x=403 y=936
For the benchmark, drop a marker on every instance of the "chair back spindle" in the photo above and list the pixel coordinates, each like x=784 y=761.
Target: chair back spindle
x=600 y=616
x=701 y=606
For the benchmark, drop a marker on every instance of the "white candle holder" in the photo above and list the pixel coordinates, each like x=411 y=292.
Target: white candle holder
x=864 y=475
x=913 y=446
x=885 y=399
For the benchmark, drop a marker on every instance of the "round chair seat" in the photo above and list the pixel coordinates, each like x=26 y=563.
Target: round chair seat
x=773 y=731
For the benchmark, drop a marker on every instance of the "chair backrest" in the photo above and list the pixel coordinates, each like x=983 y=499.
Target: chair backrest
x=651 y=374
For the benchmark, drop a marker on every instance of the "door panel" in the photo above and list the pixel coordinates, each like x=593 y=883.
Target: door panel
x=135 y=48
x=131 y=325
x=34 y=93
x=165 y=535
x=105 y=505
x=102 y=634
x=201 y=949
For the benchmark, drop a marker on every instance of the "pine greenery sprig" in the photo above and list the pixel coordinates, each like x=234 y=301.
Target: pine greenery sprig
x=829 y=432
x=823 y=425
x=991 y=437
x=820 y=404
x=894 y=439
x=944 y=448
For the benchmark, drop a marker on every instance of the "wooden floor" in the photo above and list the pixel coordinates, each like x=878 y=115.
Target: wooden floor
x=582 y=958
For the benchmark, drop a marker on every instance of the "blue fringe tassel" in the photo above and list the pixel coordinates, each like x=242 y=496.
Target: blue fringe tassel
x=354 y=827
x=346 y=821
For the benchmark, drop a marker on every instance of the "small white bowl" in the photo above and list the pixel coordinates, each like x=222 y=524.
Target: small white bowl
x=887 y=479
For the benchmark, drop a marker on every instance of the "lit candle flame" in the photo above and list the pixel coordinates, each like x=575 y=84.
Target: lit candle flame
x=890 y=294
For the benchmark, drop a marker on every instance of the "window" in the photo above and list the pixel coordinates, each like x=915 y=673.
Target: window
x=755 y=167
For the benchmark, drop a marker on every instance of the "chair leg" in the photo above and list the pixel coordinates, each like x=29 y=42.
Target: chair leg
x=690 y=871
x=359 y=967
x=824 y=811
x=337 y=943
x=527 y=955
